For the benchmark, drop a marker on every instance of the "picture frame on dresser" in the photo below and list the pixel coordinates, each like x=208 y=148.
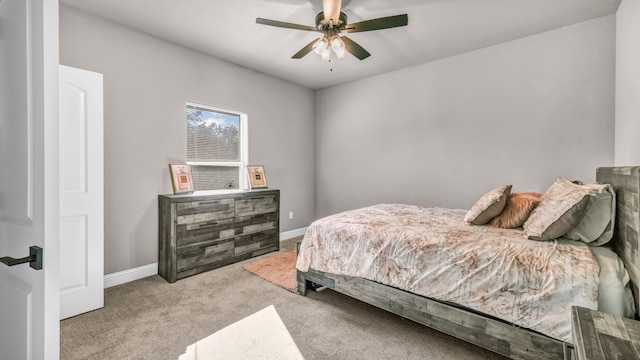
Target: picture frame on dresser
x=257 y=177
x=181 y=178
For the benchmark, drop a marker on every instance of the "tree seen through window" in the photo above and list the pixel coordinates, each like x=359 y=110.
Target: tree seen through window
x=214 y=147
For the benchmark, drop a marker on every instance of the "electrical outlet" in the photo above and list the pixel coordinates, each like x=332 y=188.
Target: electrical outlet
x=290 y=215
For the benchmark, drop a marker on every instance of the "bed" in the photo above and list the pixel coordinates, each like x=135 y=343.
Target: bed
x=438 y=277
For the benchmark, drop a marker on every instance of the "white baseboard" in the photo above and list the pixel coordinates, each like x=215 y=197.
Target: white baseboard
x=292 y=233
x=126 y=276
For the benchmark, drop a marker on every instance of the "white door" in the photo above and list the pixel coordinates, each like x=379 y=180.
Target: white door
x=29 y=189
x=81 y=192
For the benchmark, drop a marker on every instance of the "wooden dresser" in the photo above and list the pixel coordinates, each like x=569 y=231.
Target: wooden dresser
x=209 y=229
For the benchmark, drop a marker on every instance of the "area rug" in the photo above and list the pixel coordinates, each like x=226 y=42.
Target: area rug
x=279 y=270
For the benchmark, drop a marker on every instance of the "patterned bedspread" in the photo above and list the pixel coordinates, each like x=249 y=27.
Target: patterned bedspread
x=432 y=252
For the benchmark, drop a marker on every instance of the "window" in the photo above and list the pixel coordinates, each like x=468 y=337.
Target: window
x=216 y=147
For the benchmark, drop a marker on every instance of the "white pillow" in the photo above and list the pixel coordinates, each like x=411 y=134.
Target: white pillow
x=614 y=294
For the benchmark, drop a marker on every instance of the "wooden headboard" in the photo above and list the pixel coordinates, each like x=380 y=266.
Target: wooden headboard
x=626 y=183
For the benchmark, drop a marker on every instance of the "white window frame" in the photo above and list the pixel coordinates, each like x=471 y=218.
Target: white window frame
x=243 y=181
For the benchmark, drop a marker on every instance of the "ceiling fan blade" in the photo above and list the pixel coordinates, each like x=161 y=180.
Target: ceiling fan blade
x=305 y=50
x=331 y=9
x=283 y=24
x=354 y=48
x=377 y=24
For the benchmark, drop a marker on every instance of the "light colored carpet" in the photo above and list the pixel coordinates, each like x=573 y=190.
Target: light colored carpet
x=152 y=319
x=279 y=270
x=262 y=335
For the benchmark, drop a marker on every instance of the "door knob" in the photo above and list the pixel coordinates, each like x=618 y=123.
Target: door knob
x=34 y=259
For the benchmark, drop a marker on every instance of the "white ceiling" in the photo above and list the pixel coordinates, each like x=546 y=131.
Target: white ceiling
x=437 y=29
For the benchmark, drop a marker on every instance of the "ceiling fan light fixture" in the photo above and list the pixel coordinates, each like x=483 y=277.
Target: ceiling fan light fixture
x=321 y=46
x=326 y=56
x=331 y=21
x=337 y=45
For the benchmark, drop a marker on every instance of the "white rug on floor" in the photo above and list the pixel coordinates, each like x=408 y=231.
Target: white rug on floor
x=262 y=335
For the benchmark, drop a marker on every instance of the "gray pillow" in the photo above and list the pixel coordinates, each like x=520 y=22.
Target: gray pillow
x=596 y=226
x=562 y=207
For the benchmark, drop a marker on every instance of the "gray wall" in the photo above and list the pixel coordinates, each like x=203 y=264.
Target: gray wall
x=147 y=82
x=442 y=133
x=628 y=84
x=524 y=113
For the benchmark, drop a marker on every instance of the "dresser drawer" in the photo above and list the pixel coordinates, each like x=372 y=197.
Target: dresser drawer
x=195 y=212
x=254 y=205
x=206 y=253
x=188 y=234
x=257 y=243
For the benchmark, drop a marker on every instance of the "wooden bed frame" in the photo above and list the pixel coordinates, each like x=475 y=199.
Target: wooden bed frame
x=480 y=329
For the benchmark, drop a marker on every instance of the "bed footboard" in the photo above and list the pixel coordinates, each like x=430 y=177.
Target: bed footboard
x=487 y=332
x=311 y=281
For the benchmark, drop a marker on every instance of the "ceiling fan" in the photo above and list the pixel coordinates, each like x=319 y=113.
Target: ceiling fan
x=331 y=22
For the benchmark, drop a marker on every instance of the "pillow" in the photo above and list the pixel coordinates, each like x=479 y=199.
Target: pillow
x=517 y=210
x=596 y=226
x=614 y=294
x=488 y=206
x=562 y=207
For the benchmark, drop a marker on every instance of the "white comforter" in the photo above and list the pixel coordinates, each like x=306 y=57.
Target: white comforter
x=432 y=252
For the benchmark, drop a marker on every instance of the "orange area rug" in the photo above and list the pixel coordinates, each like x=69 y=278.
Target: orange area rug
x=279 y=270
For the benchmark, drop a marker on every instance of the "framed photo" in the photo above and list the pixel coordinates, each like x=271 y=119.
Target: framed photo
x=181 y=178
x=257 y=178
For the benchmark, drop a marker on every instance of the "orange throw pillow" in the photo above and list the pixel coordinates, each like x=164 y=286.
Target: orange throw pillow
x=517 y=210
